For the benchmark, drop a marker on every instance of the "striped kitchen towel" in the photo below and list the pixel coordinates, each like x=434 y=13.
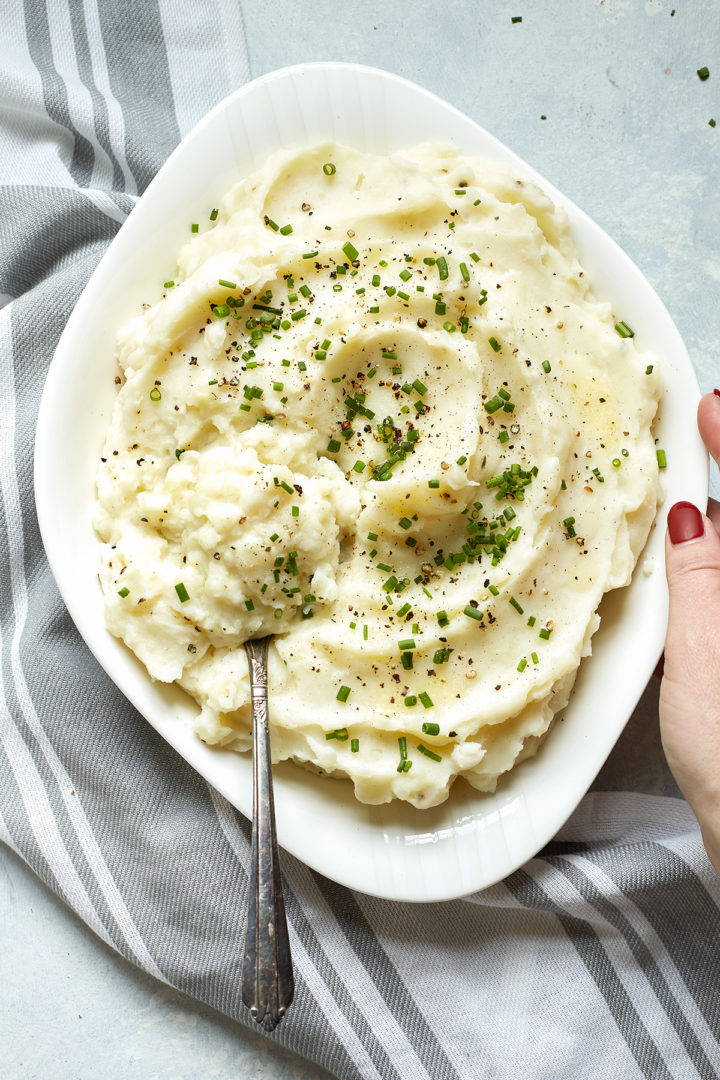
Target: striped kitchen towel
x=598 y=958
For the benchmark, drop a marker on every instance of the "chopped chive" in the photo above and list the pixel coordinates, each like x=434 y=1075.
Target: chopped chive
x=410 y=700
x=427 y=703
x=624 y=330
x=194 y=227
x=343 y=693
x=546 y=367
x=534 y=658
x=286 y=230
x=406 y=643
x=124 y=592
x=249 y=605
x=544 y=634
x=182 y=592
x=661 y=459
x=522 y=665
x=155 y=394
x=227 y=284
x=464 y=271
x=472 y=613
x=340 y=734
x=354 y=746
x=442 y=618
x=424 y=750
x=213 y=214
x=350 y=251
x=494 y=344
x=433 y=483
x=441 y=263
x=310 y=254
x=406 y=659
x=329 y=169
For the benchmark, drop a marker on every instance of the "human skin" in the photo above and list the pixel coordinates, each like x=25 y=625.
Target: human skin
x=690 y=690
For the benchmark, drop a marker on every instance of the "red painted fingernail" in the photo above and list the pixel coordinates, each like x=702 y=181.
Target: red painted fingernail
x=685 y=523
x=716 y=393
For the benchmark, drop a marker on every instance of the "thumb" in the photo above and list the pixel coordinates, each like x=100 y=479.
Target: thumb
x=690 y=689
x=692 y=559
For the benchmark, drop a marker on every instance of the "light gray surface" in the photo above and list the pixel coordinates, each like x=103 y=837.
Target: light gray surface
x=626 y=136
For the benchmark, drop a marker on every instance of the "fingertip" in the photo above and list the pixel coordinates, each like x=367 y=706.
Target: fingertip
x=685 y=523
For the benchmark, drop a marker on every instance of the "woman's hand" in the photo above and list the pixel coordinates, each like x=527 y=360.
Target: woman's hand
x=690 y=691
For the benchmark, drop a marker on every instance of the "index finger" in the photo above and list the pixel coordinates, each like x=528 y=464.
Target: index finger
x=708 y=418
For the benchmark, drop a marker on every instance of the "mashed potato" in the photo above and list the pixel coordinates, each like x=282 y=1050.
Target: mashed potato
x=379 y=415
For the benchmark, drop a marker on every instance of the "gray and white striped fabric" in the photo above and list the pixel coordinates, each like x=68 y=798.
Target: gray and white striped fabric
x=598 y=958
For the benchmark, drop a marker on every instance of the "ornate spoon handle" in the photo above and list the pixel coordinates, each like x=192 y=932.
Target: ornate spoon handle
x=267 y=980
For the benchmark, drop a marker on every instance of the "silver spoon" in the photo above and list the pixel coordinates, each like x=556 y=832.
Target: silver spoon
x=267 y=979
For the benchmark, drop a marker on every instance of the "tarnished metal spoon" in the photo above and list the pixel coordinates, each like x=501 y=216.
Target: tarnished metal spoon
x=267 y=980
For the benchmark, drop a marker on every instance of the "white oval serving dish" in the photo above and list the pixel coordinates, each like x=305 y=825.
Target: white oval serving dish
x=395 y=852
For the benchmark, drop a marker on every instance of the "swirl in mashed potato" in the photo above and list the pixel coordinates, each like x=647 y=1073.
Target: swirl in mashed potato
x=380 y=415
